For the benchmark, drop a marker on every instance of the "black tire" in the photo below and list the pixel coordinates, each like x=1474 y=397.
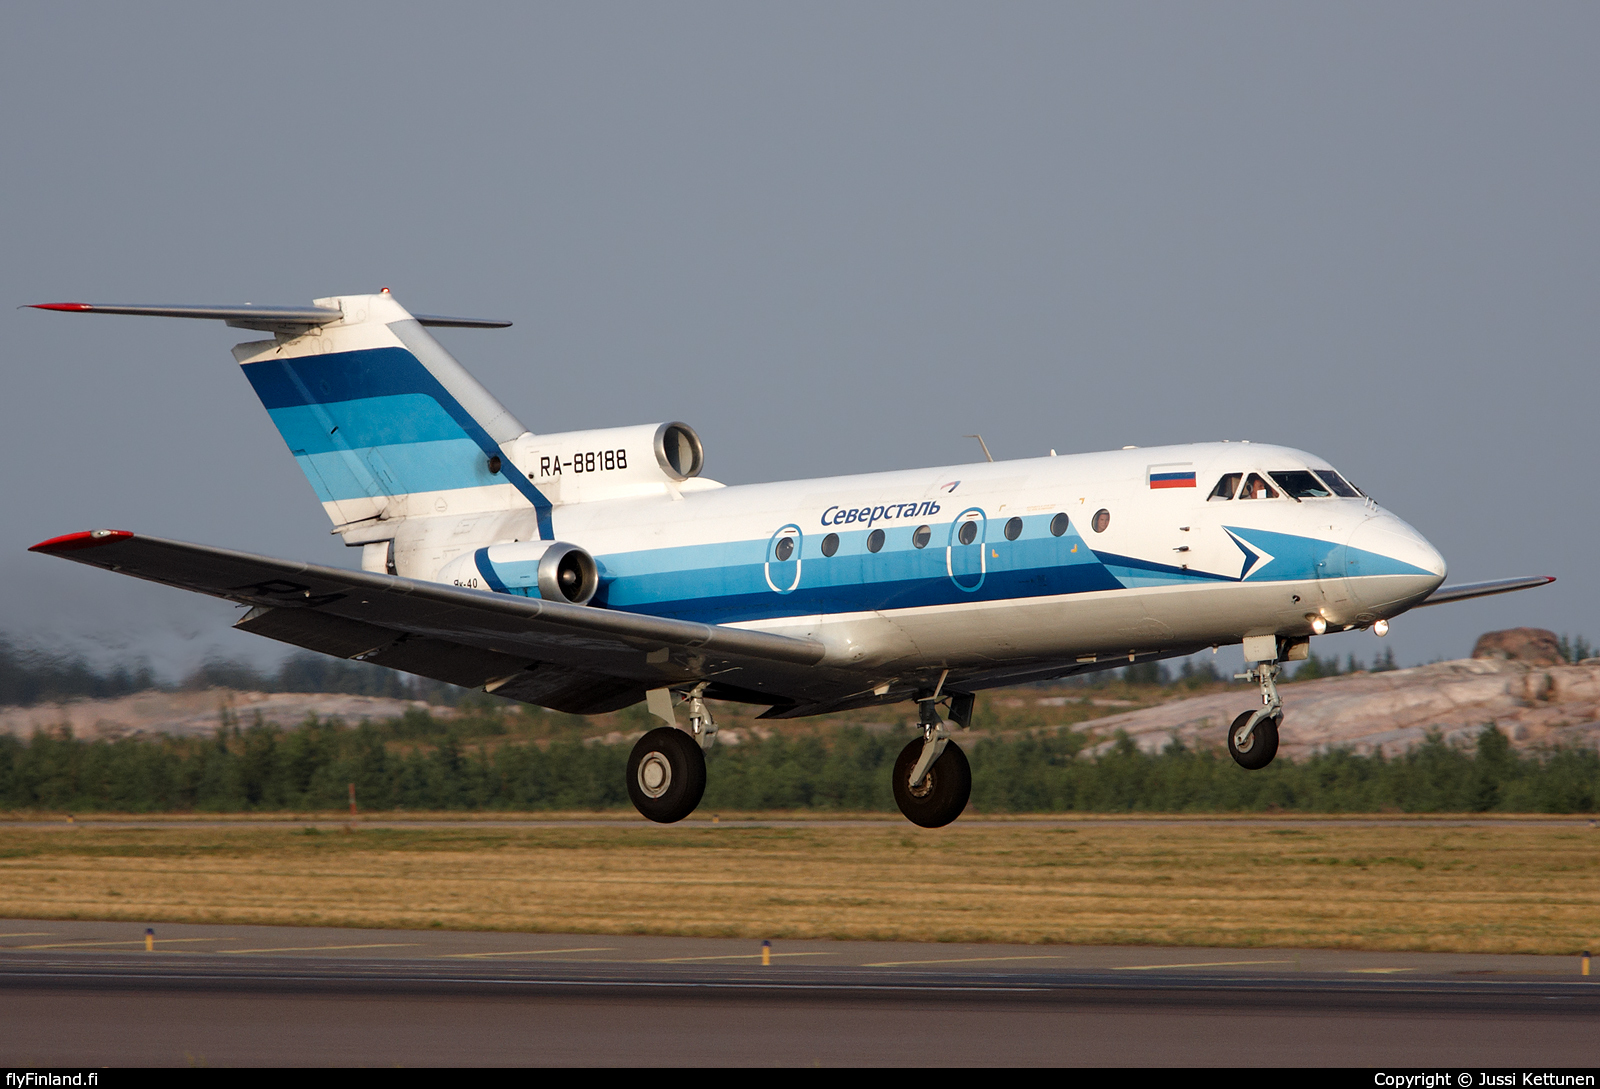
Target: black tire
x=1262 y=746
x=944 y=791
x=666 y=775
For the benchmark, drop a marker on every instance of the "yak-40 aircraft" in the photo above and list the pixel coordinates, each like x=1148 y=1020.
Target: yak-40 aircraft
x=586 y=571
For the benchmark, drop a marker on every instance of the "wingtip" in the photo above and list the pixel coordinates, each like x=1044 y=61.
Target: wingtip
x=73 y=542
x=58 y=306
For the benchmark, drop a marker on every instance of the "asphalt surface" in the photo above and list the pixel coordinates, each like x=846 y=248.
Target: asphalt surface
x=562 y=820
x=79 y=993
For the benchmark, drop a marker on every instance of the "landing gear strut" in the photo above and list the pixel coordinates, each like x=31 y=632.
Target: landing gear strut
x=932 y=779
x=1253 y=737
x=701 y=724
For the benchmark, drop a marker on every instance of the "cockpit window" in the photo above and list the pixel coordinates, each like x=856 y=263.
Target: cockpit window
x=1227 y=487
x=1256 y=488
x=1301 y=485
x=1340 y=486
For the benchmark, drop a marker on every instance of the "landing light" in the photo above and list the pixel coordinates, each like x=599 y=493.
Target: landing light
x=1380 y=628
x=1318 y=624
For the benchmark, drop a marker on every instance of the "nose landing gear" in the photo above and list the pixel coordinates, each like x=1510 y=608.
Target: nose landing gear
x=1253 y=737
x=1253 y=746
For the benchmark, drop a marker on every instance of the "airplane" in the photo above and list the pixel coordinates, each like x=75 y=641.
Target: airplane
x=587 y=571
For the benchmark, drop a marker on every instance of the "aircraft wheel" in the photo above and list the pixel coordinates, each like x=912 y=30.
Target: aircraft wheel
x=944 y=790
x=1259 y=748
x=666 y=775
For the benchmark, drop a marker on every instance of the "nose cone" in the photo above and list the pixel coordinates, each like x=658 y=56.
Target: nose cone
x=1391 y=566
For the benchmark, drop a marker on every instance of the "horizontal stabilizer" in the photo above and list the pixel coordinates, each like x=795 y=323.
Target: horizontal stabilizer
x=266 y=318
x=439 y=321
x=1467 y=590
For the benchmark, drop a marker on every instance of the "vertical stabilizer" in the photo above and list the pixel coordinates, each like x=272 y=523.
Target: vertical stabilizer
x=384 y=422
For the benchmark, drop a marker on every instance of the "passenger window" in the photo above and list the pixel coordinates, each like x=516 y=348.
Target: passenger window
x=1102 y=520
x=1227 y=487
x=1059 y=524
x=830 y=544
x=967 y=533
x=921 y=537
x=875 y=540
x=784 y=549
x=1256 y=488
x=1013 y=529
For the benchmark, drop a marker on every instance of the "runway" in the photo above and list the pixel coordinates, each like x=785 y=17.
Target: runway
x=526 y=821
x=82 y=993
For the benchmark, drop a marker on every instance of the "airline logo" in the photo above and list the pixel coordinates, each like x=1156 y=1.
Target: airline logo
x=1172 y=476
x=843 y=516
x=1255 y=557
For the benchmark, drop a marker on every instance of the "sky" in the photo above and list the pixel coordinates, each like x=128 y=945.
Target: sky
x=835 y=238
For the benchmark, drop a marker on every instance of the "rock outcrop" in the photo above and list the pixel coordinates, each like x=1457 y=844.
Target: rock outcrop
x=196 y=714
x=1536 y=646
x=1390 y=712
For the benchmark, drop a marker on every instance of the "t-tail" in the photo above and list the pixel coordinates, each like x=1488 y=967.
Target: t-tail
x=389 y=428
x=382 y=420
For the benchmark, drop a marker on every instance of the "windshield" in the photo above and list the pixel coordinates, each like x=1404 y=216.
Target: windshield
x=1300 y=484
x=1340 y=486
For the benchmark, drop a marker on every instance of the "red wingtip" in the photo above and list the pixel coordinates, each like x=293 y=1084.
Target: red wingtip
x=72 y=542
x=61 y=306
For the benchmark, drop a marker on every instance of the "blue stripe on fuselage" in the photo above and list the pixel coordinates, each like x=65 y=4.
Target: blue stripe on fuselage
x=726 y=582
x=1296 y=557
x=1132 y=571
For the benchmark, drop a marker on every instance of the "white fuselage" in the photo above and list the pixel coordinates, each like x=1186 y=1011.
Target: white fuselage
x=1170 y=569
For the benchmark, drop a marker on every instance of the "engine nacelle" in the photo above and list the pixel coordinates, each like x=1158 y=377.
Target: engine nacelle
x=552 y=570
x=612 y=462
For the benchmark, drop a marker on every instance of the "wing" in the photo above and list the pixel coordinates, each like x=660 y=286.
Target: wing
x=1467 y=590
x=574 y=658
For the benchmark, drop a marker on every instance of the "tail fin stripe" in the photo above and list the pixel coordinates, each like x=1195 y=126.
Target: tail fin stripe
x=322 y=396
x=372 y=421
x=395 y=470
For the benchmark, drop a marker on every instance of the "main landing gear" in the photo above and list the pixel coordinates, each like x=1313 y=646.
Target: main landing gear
x=667 y=768
x=666 y=774
x=932 y=779
x=1253 y=737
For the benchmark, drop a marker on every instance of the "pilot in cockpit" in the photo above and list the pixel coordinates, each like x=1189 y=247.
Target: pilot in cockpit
x=1256 y=488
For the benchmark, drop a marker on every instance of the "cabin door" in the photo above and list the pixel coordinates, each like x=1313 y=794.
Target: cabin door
x=964 y=555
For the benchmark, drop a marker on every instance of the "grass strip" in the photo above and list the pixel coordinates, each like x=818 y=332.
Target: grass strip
x=1513 y=888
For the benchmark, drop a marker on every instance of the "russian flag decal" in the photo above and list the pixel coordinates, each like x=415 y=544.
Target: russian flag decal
x=1171 y=476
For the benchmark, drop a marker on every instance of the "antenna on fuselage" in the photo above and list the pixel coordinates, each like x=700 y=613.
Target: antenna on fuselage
x=982 y=444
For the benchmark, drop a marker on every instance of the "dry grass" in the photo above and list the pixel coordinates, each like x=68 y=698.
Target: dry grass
x=1530 y=888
